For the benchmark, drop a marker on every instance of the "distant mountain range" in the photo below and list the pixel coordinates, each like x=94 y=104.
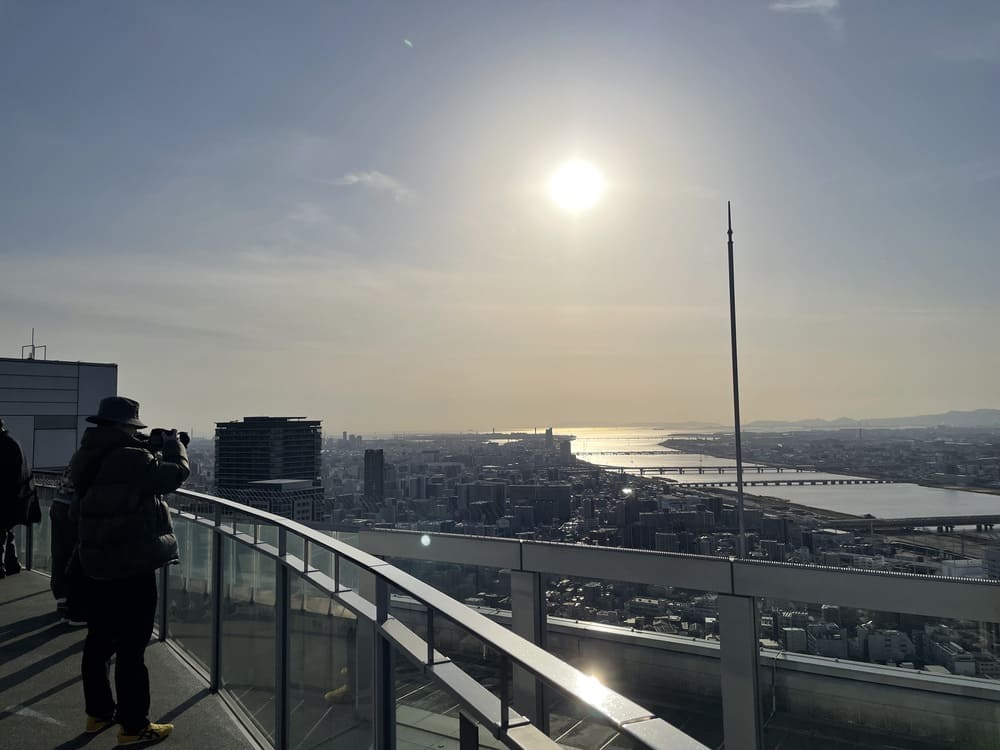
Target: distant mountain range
x=977 y=418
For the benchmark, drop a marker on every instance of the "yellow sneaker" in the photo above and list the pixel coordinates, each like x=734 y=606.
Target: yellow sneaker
x=152 y=733
x=96 y=724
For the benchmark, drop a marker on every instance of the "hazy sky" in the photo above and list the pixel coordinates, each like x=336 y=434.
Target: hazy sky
x=339 y=210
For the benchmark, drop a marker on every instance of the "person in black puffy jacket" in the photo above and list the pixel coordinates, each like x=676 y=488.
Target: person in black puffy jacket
x=124 y=535
x=16 y=493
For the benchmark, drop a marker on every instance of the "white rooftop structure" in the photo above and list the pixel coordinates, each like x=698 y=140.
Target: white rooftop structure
x=45 y=404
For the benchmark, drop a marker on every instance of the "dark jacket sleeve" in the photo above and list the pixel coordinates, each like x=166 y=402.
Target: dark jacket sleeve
x=170 y=470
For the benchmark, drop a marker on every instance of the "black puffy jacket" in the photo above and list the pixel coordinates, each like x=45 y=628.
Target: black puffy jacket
x=16 y=488
x=124 y=523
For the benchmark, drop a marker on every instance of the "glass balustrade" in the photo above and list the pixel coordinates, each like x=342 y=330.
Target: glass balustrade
x=326 y=706
x=326 y=688
x=833 y=673
x=189 y=601
x=248 y=631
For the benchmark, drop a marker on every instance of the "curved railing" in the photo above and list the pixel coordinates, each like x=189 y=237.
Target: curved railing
x=249 y=563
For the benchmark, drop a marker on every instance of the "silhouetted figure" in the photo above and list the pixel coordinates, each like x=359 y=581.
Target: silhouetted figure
x=16 y=495
x=125 y=535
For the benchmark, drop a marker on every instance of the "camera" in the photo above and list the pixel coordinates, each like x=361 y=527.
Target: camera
x=156 y=438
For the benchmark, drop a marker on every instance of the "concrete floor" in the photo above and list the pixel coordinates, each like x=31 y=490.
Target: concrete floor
x=41 y=697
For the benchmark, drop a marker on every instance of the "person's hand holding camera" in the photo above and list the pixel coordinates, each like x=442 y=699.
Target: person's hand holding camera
x=160 y=436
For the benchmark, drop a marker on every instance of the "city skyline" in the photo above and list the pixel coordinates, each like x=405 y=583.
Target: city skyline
x=343 y=212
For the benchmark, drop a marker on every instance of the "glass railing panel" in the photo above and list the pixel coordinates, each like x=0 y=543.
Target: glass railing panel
x=189 y=616
x=925 y=681
x=405 y=608
x=422 y=706
x=347 y=537
x=350 y=574
x=466 y=649
x=427 y=716
x=476 y=586
x=321 y=559
x=41 y=557
x=326 y=707
x=252 y=570
x=296 y=545
x=248 y=632
x=656 y=645
x=268 y=534
x=573 y=724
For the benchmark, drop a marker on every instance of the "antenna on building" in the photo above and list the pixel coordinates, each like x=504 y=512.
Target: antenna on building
x=33 y=349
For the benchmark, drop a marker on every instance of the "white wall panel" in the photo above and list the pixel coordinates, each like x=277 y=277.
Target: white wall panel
x=32 y=408
x=39 y=367
x=96 y=382
x=65 y=382
x=53 y=448
x=39 y=395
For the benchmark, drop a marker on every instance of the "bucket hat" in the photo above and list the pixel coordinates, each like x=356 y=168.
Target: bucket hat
x=117 y=409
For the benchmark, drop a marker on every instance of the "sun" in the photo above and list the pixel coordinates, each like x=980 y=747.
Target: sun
x=576 y=186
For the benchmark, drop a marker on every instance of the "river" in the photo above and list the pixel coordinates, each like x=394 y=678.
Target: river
x=881 y=500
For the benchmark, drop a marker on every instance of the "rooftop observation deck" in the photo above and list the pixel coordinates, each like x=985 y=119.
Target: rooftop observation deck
x=277 y=635
x=271 y=634
x=41 y=697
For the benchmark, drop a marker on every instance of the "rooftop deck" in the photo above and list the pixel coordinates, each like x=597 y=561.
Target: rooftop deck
x=41 y=697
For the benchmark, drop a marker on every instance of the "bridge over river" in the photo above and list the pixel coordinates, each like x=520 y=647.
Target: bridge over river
x=944 y=523
x=708 y=469
x=755 y=479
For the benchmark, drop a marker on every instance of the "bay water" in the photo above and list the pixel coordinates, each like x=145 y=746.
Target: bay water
x=881 y=500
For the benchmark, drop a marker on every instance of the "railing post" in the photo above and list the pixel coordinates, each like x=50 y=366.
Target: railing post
x=282 y=715
x=164 y=601
x=215 y=677
x=528 y=620
x=29 y=545
x=383 y=678
x=739 y=655
x=468 y=733
x=364 y=648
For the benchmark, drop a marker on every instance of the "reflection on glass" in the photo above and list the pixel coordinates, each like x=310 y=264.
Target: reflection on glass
x=248 y=631
x=426 y=715
x=41 y=540
x=906 y=696
x=658 y=646
x=296 y=545
x=473 y=585
x=189 y=618
x=267 y=534
x=327 y=709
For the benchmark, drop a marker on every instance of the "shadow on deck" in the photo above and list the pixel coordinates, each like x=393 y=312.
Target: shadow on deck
x=41 y=696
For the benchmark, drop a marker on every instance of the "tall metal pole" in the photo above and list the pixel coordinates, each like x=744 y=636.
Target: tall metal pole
x=741 y=542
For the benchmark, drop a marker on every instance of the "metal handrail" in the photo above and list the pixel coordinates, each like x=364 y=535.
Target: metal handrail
x=912 y=593
x=622 y=714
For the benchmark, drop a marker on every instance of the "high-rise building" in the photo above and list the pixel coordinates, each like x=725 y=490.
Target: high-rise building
x=375 y=475
x=261 y=448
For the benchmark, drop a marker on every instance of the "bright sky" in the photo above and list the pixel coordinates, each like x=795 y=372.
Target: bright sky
x=342 y=210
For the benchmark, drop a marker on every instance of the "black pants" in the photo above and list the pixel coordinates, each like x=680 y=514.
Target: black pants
x=119 y=622
x=63 y=542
